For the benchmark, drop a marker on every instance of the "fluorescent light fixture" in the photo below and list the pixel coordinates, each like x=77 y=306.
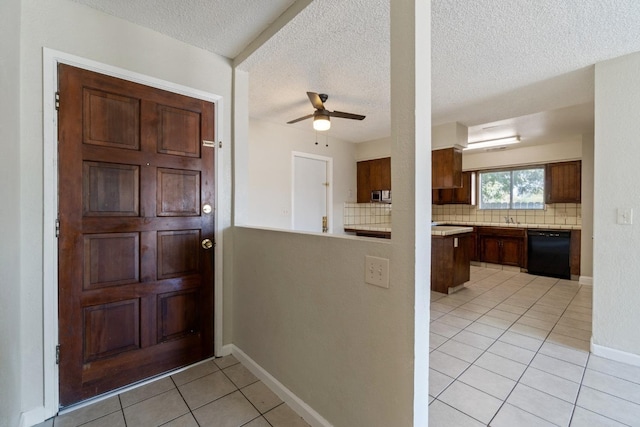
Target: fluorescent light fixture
x=493 y=142
x=321 y=120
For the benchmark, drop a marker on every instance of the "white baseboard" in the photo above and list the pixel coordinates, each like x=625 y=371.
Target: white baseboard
x=33 y=417
x=226 y=350
x=613 y=354
x=586 y=280
x=298 y=405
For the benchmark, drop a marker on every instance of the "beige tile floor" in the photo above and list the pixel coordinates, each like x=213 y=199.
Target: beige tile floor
x=512 y=349
x=217 y=393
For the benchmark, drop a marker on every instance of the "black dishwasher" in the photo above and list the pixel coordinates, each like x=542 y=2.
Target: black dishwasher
x=548 y=253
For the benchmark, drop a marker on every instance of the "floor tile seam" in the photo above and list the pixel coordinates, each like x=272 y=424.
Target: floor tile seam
x=613 y=376
x=234 y=384
x=84 y=423
x=480 y=390
x=506 y=357
x=149 y=397
x=256 y=408
x=195 y=379
x=211 y=401
x=253 y=419
x=584 y=372
x=557 y=376
x=96 y=418
x=599 y=414
x=458 y=410
x=523 y=410
x=185 y=402
x=555 y=397
x=444 y=336
x=612 y=395
x=518 y=382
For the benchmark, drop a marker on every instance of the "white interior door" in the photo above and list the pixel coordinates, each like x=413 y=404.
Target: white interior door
x=311 y=192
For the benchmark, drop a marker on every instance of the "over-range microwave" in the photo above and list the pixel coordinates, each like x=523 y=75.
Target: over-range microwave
x=381 y=196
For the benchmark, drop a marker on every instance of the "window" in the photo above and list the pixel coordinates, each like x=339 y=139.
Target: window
x=512 y=189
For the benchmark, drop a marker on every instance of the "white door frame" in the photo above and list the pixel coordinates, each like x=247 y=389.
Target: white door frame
x=329 y=192
x=51 y=59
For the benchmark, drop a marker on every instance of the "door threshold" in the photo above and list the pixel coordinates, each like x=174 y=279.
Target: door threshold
x=115 y=392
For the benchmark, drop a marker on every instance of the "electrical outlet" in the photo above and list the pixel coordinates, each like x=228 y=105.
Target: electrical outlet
x=625 y=216
x=376 y=271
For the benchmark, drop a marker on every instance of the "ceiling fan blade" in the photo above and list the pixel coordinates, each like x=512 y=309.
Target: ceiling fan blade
x=343 y=115
x=308 y=116
x=315 y=100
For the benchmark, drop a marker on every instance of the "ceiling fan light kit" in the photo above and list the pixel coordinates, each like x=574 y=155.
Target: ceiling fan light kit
x=321 y=120
x=321 y=117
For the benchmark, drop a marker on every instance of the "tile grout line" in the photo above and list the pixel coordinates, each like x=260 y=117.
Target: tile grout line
x=543 y=341
x=534 y=356
x=184 y=400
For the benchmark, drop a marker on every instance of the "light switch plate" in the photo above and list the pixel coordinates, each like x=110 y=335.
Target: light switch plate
x=625 y=216
x=376 y=271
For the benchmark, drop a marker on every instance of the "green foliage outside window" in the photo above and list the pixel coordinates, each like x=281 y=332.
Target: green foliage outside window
x=512 y=189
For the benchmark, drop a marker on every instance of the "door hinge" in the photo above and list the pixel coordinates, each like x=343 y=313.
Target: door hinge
x=57 y=101
x=58 y=354
x=57 y=227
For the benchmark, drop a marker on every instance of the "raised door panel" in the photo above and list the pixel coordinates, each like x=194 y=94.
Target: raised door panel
x=441 y=263
x=473 y=246
x=446 y=168
x=380 y=174
x=490 y=249
x=512 y=251
x=563 y=182
x=574 y=252
x=461 y=259
x=363 y=184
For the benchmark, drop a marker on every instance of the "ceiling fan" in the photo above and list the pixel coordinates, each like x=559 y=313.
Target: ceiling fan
x=321 y=115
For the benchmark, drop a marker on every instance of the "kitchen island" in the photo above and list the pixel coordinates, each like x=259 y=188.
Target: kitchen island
x=450 y=257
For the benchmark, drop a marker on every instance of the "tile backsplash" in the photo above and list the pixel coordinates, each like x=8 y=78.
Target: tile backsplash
x=554 y=214
x=367 y=213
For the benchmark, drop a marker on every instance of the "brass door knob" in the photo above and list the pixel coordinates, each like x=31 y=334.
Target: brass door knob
x=207 y=244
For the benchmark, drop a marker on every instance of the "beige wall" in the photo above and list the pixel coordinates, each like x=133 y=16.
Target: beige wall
x=616 y=270
x=10 y=354
x=270 y=172
x=75 y=29
x=301 y=309
x=569 y=148
x=375 y=149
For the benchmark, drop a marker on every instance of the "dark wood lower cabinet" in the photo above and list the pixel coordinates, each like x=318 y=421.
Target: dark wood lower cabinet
x=450 y=262
x=504 y=246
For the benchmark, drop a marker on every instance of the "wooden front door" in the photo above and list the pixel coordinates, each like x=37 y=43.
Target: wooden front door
x=136 y=190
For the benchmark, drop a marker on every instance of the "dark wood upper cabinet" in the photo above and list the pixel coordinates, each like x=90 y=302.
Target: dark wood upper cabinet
x=460 y=196
x=446 y=168
x=562 y=182
x=373 y=175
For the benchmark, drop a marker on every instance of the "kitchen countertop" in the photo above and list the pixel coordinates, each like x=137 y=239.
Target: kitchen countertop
x=440 y=230
x=385 y=227
x=453 y=227
x=502 y=224
x=449 y=230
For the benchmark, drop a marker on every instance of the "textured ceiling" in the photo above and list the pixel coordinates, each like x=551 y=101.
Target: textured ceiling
x=522 y=64
x=224 y=27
